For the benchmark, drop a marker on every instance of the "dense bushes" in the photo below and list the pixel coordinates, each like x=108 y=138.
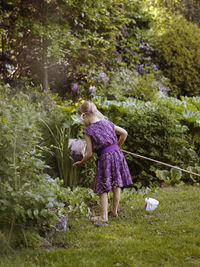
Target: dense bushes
x=27 y=192
x=177 y=55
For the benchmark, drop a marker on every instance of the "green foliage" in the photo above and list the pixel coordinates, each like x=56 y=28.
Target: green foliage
x=88 y=173
x=177 y=56
x=56 y=129
x=171 y=177
x=4 y=246
x=27 y=192
x=187 y=111
x=126 y=83
x=81 y=200
x=190 y=9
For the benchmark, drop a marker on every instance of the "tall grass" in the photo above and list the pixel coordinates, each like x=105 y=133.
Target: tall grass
x=60 y=139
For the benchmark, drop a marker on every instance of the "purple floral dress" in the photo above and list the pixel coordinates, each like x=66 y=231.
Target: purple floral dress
x=112 y=168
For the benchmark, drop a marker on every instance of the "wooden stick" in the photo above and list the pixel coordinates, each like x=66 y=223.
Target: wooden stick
x=168 y=165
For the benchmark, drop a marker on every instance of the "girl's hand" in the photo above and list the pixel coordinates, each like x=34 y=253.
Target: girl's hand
x=123 y=135
x=77 y=163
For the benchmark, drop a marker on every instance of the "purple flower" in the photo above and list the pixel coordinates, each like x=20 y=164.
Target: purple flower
x=140 y=69
x=161 y=88
x=103 y=77
x=154 y=67
x=92 y=89
x=74 y=87
x=142 y=46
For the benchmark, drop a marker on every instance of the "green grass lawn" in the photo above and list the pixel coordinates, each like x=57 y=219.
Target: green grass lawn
x=167 y=236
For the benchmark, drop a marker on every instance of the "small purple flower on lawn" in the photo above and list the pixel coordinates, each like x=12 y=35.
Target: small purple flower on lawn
x=154 y=67
x=74 y=87
x=92 y=89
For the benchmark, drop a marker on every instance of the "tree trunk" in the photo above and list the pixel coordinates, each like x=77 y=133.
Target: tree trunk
x=45 y=81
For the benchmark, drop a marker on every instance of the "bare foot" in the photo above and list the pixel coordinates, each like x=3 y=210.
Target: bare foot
x=99 y=219
x=113 y=213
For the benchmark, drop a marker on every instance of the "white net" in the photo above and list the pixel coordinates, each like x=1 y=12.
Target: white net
x=77 y=148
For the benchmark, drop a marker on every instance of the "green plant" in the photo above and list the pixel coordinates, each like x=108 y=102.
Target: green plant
x=27 y=192
x=187 y=111
x=87 y=174
x=56 y=130
x=127 y=83
x=171 y=177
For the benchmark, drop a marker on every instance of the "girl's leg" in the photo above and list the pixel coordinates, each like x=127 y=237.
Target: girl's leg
x=115 y=201
x=104 y=206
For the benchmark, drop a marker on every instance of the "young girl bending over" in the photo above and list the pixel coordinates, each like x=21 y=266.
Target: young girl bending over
x=112 y=169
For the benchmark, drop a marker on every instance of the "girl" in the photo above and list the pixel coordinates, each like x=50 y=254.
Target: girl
x=112 y=169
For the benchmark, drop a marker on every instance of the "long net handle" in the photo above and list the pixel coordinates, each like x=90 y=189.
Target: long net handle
x=168 y=165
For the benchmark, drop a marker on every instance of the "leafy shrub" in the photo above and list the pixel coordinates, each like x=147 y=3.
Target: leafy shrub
x=27 y=192
x=126 y=83
x=177 y=55
x=171 y=177
x=187 y=111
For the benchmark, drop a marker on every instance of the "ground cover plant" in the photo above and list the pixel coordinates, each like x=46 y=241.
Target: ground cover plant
x=167 y=236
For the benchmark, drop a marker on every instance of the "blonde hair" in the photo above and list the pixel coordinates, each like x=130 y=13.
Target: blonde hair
x=90 y=109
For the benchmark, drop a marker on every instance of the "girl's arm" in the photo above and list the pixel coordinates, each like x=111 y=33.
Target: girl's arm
x=122 y=133
x=89 y=152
